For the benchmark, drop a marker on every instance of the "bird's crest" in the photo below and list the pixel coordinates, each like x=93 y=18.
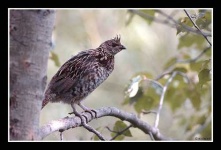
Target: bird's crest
x=117 y=38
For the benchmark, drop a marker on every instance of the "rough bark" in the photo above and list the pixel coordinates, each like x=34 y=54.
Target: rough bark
x=30 y=42
x=73 y=122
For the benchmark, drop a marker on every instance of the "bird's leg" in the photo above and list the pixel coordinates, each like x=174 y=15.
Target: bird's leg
x=86 y=109
x=77 y=113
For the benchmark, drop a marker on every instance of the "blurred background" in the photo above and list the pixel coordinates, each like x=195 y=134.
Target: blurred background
x=149 y=47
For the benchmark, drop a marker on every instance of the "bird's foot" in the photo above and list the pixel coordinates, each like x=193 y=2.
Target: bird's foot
x=80 y=116
x=91 y=111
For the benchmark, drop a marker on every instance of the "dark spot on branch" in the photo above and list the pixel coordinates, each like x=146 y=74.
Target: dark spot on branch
x=27 y=63
x=13 y=28
x=45 y=12
x=13 y=102
x=61 y=130
x=44 y=82
x=14 y=121
x=13 y=130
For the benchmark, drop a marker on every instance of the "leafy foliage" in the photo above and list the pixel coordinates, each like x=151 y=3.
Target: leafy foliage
x=147 y=93
x=149 y=12
x=204 y=76
x=187 y=102
x=191 y=99
x=119 y=127
x=55 y=58
x=188 y=40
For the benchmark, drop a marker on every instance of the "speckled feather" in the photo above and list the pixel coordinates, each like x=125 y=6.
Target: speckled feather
x=83 y=73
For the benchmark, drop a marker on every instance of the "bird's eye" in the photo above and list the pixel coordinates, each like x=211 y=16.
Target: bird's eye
x=114 y=44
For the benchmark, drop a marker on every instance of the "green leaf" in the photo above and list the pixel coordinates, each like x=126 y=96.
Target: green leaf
x=149 y=13
x=186 y=56
x=135 y=90
x=195 y=99
x=184 y=21
x=182 y=121
x=181 y=69
x=126 y=101
x=201 y=120
x=152 y=91
x=208 y=52
x=175 y=97
x=188 y=40
x=206 y=64
x=206 y=133
x=179 y=29
x=55 y=58
x=95 y=137
x=133 y=86
x=127 y=133
x=196 y=66
x=144 y=103
x=118 y=127
x=204 y=76
x=170 y=62
x=204 y=19
x=119 y=138
x=191 y=122
x=163 y=81
x=192 y=92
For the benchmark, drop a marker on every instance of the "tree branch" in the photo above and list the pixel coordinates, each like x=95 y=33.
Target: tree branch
x=162 y=98
x=170 y=68
x=118 y=133
x=149 y=112
x=174 y=25
x=73 y=122
x=200 y=128
x=90 y=129
x=61 y=135
x=188 y=15
x=194 y=59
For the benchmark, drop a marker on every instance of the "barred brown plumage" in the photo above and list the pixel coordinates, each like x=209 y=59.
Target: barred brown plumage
x=82 y=74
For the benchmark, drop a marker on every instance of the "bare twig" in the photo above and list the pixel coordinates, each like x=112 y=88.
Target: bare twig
x=162 y=98
x=151 y=136
x=177 y=72
x=148 y=112
x=72 y=122
x=194 y=59
x=197 y=27
x=170 y=68
x=154 y=81
x=166 y=22
x=110 y=130
x=200 y=128
x=183 y=25
x=61 y=135
x=89 y=128
x=119 y=132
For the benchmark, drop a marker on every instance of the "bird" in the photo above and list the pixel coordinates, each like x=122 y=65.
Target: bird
x=82 y=74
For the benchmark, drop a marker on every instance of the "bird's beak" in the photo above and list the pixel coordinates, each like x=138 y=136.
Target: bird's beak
x=122 y=47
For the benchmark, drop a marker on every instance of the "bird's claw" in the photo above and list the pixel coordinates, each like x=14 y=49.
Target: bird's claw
x=80 y=116
x=90 y=111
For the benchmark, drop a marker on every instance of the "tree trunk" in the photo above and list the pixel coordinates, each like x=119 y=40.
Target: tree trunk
x=30 y=42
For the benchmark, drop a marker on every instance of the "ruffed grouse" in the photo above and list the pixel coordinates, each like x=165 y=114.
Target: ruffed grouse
x=82 y=74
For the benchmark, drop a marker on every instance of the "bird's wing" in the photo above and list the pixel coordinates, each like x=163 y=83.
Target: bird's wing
x=71 y=72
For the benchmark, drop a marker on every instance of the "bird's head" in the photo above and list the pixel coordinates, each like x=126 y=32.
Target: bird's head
x=112 y=46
